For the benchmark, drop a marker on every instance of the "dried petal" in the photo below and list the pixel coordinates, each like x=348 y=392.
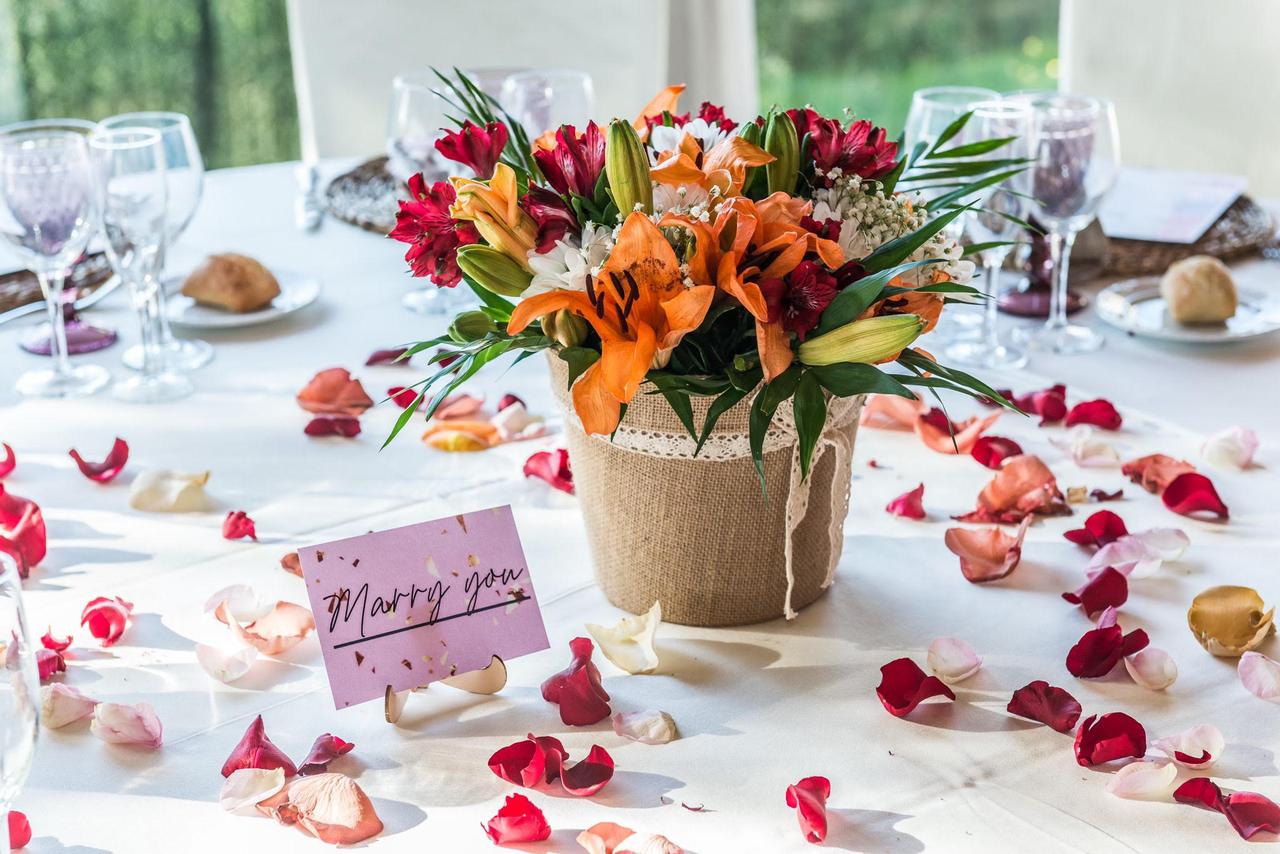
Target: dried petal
x=107 y=618
x=1107 y=589
x=1099 y=529
x=552 y=467
x=948 y=438
x=646 y=727
x=334 y=392
x=49 y=663
x=324 y=425
x=629 y=643
x=1098 y=413
x=1023 y=486
x=903 y=686
x=1152 y=668
x=1114 y=735
x=909 y=505
x=106 y=470
x=1155 y=472
x=1103 y=495
x=1099 y=650
x=1249 y=813
x=248 y=787
x=577 y=689
x=1232 y=448
x=1050 y=705
x=19 y=830
x=515 y=424
x=223 y=664
x=988 y=554
x=279 y=630
x=1143 y=780
x=1229 y=621
x=48 y=641
x=992 y=451
x=62 y=704
x=952 y=660
x=391 y=356
x=518 y=820
x=237 y=526
x=1192 y=492
x=118 y=723
x=255 y=750
x=330 y=807
x=1197 y=747
x=9 y=462
x=1086 y=449
x=22 y=531
x=809 y=799
x=327 y=747
x=1260 y=676
x=165 y=491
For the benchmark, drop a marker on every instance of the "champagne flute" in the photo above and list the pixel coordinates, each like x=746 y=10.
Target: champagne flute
x=47 y=213
x=995 y=221
x=19 y=694
x=544 y=99
x=133 y=197
x=184 y=176
x=1075 y=151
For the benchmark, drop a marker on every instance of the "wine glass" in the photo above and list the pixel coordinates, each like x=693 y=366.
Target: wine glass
x=47 y=213
x=1075 y=151
x=184 y=176
x=133 y=197
x=19 y=694
x=544 y=99
x=996 y=220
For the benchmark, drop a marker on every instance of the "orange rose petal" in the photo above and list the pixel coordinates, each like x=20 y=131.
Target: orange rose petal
x=988 y=554
x=890 y=412
x=967 y=433
x=334 y=392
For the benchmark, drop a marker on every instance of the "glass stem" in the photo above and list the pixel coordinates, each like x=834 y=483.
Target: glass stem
x=152 y=336
x=167 y=341
x=1060 y=245
x=52 y=286
x=989 y=320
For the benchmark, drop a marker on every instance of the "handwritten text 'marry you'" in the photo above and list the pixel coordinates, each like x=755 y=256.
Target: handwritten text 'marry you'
x=344 y=606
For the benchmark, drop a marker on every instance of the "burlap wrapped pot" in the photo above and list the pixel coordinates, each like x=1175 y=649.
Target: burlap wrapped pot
x=697 y=534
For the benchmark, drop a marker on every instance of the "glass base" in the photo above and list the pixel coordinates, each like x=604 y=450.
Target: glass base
x=80 y=381
x=186 y=354
x=158 y=389
x=1064 y=340
x=980 y=354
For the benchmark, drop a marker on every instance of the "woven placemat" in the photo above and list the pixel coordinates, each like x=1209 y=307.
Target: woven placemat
x=1245 y=227
x=22 y=287
x=365 y=196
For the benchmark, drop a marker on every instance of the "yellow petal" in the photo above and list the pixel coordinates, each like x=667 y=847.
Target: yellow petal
x=1229 y=621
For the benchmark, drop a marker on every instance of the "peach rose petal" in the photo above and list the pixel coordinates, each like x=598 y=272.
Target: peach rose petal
x=330 y=807
x=1152 y=668
x=647 y=727
x=225 y=665
x=167 y=491
x=61 y=705
x=119 y=723
x=629 y=643
x=1197 y=747
x=279 y=630
x=603 y=837
x=248 y=787
x=988 y=554
x=891 y=412
x=458 y=406
x=1233 y=448
x=952 y=660
x=1260 y=676
x=1145 y=781
x=1023 y=486
x=334 y=392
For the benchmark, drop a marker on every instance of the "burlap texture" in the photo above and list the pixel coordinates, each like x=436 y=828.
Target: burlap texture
x=697 y=535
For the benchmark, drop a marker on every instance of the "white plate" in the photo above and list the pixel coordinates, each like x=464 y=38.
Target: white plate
x=297 y=291
x=1135 y=305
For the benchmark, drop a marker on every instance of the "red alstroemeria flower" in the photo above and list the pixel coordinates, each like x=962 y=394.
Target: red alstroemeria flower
x=713 y=114
x=799 y=298
x=809 y=799
x=1052 y=706
x=255 y=750
x=1154 y=472
x=992 y=451
x=327 y=747
x=986 y=555
x=1050 y=403
x=577 y=689
x=576 y=161
x=433 y=237
x=517 y=821
x=107 y=618
x=389 y=357
x=1024 y=486
x=9 y=462
x=238 y=525
x=22 y=531
x=1107 y=589
x=1192 y=492
x=804 y=119
x=1099 y=413
x=552 y=214
x=48 y=641
x=19 y=830
x=323 y=425
x=1100 y=649
x=540 y=759
x=479 y=148
x=1099 y=529
x=107 y=469
x=861 y=149
x=908 y=504
x=829 y=229
x=402 y=397
x=48 y=663
x=1249 y=813
x=903 y=686
x=1114 y=735
x=552 y=467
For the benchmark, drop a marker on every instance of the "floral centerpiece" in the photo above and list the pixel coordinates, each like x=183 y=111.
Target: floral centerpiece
x=714 y=295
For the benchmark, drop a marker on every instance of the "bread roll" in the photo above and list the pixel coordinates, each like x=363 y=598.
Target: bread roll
x=237 y=283
x=1199 y=289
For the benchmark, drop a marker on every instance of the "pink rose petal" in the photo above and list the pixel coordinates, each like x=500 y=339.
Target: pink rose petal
x=107 y=618
x=1260 y=676
x=952 y=660
x=809 y=799
x=988 y=554
x=9 y=462
x=327 y=747
x=1197 y=747
x=1232 y=448
x=118 y=723
x=1143 y=780
x=909 y=505
x=1152 y=668
x=238 y=525
x=331 y=807
x=61 y=704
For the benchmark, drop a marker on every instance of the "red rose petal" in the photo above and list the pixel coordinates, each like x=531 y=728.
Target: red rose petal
x=903 y=686
x=107 y=469
x=19 y=830
x=1048 y=704
x=237 y=526
x=388 y=357
x=1100 y=649
x=992 y=451
x=49 y=662
x=50 y=642
x=1192 y=492
x=107 y=618
x=1154 y=472
x=577 y=688
x=507 y=400
x=1099 y=529
x=1050 y=403
x=1099 y=413
x=327 y=747
x=1107 y=589
x=1200 y=790
x=517 y=821
x=1114 y=735
x=22 y=531
x=552 y=467
x=255 y=750
x=9 y=462
x=334 y=392
x=1023 y=486
x=1249 y=813
x=988 y=554
x=403 y=397
x=523 y=763
x=809 y=799
x=909 y=504
x=323 y=425
x=588 y=776
x=1103 y=495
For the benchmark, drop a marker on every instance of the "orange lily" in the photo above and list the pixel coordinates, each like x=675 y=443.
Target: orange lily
x=663 y=102
x=723 y=167
x=494 y=207
x=640 y=308
x=927 y=305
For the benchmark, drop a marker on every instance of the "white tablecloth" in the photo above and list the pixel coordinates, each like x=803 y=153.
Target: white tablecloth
x=759 y=707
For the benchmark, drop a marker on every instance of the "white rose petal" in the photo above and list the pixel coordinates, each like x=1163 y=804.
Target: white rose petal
x=1204 y=740
x=1152 y=668
x=1143 y=780
x=247 y=787
x=1168 y=543
x=647 y=843
x=629 y=644
x=241 y=601
x=1086 y=449
x=225 y=665
x=61 y=705
x=514 y=423
x=165 y=491
x=1232 y=448
x=118 y=723
x=1260 y=676
x=647 y=727
x=1140 y=555
x=952 y=660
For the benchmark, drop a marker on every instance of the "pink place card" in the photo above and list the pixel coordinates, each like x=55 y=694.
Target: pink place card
x=412 y=605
